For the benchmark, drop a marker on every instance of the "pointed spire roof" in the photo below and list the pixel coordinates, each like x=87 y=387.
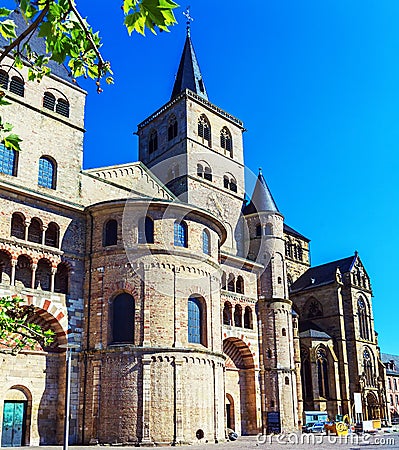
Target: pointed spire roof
x=189 y=74
x=262 y=199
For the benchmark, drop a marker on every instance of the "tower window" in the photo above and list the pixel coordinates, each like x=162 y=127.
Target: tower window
x=62 y=107
x=146 y=230
x=47 y=173
x=35 y=231
x=110 y=233
x=240 y=285
x=8 y=161
x=206 y=244
x=258 y=230
x=200 y=170
x=196 y=333
x=49 y=101
x=17 y=86
x=123 y=319
x=226 y=182
x=172 y=128
x=226 y=141
x=231 y=283
x=18 y=226
x=208 y=173
x=238 y=316
x=204 y=129
x=229 y=182
x=153 y=141
x=52 y=235
x=180 y=234
x=248 y=318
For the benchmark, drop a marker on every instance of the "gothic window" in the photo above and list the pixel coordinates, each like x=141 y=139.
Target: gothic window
x=4 y=79
x=368 y=368
x=8 y=161
x=18 y=226
x=313 y=308
x=206 y=243
x=238 y=316
x=62 y=107
x=61 y=283
x=47 y=172
x=200 y=170
x=227 y=314
x=240 y=285
x=225 y=140
x=180 y=234
x=258 y=230
x=172 y=127
x=231 y=283
x=306 y=374
x=35 y=231
x=153 y=141
x=288 y=249
x=204 y=129
x=299 y=252
x=110 y=236
x=322 y=373
x=49 y=101
x=123 y=319
x=364 y=325
x=248 y=323
x=196 y=332
x=51 y=237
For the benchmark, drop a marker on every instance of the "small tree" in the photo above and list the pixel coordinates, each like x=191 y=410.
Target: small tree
x=17 y=331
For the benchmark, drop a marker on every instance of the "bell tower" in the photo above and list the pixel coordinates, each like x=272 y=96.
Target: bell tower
x=196 y=149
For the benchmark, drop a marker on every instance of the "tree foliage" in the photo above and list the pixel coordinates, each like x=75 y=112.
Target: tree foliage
x=17 y=330
x=71 y=40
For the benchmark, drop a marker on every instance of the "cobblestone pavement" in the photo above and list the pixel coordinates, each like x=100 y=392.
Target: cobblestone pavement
x=288 y=442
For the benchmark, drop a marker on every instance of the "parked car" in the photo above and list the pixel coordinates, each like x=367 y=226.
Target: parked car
x=317 y=427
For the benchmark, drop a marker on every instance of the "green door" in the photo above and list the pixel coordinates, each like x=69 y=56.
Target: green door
x=13 y=424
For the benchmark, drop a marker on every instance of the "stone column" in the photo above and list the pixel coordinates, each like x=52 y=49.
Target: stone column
x=178 y=438
x=146 y=307
x=27 y=223
x=176 y=307
x=34 y=267
x=44 y=228
x=13 y=266
x=52 y=280
x=146 y=434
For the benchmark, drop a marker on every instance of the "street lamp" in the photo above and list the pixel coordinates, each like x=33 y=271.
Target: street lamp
x=69 y=349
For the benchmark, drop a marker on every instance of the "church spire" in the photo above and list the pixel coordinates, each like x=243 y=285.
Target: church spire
x=262 y=199
x=189 y=74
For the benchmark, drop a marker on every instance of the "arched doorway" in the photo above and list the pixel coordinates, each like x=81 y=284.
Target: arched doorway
x=16 y=413
x=240 y=387
x=373 y=408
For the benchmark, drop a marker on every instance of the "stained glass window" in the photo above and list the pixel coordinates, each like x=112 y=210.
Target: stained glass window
x=7 y=160
x=194 y=320
x=46 y=173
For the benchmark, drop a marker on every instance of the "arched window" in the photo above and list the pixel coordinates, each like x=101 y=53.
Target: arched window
x=149 y=230
x=4 y=78
x=248 y=322
x=240 y=285
x=368 y=368
x=61 y=284
x=23 y=272
x=180 y=234
x=196 y=321
x=43 y=275
x=5 y=267
x=313 y=308
x=47 y=173
x=233 y=185
x=269 y=229
x=288 y=249
x=299 y=252
x=200 y=170
x=206 y=242
x=238 y=316
x=35 y=231
x=204 y=129
x=225 y=140
x=208 y=173
x=258 y=230
x=17 y=86
x=62 y=107
x=172 y=127
x=364 y=328
x=229 y=182
x=18 y=226
x=153 y=141
x=322 y=373
x=224 y=282
x=123 y=319
x=8 y=161
x=306 y=374
x=231 y=283
x=284 y=332
x=110 y=236
x=49 y=101
x=52 y=235
x=227 y=314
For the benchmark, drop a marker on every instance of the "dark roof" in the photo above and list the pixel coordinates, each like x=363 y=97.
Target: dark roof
x=38 y=45
x=322 y=275
x=262 y=199
x=289 y=230
x=189 y=74
x=314 y=334
x=387 y=358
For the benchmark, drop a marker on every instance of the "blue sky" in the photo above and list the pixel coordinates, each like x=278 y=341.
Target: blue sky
x=317 y=86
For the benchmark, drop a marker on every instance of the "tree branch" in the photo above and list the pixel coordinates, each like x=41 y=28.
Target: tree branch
x=26 y=33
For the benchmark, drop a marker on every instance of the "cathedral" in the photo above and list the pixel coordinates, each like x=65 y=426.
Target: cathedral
x=193 y=311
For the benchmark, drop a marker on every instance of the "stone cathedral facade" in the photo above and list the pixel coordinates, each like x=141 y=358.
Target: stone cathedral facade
x=194 y=311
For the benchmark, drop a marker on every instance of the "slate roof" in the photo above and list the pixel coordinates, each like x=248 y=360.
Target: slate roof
x=38 y=45
x=322 y=275
x=387 y=358
x=314 y=334
x=289 y=230
x=189 y=74
x=262 y=199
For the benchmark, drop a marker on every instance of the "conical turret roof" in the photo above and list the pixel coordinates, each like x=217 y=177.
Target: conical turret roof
x=262 y=199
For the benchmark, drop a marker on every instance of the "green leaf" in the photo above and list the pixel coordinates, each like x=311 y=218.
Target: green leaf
x=7 y=29
x=4 y=12
x=12 y=142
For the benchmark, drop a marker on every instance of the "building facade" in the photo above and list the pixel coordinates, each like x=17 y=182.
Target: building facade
x=391 y=363
x=194 y=311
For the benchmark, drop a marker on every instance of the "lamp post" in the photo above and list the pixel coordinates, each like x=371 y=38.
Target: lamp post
x=69 y=349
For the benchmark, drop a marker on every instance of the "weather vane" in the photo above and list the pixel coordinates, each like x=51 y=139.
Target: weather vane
x=186 y=13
